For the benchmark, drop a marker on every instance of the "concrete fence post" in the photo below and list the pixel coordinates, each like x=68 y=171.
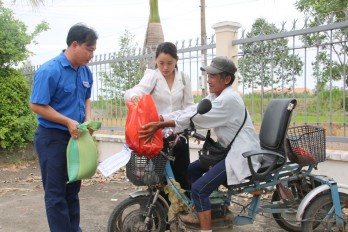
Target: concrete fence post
x=225 y=33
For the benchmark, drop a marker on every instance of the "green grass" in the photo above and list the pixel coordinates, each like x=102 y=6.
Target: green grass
x=309 y=119
x=310 y=108
x=319 y=119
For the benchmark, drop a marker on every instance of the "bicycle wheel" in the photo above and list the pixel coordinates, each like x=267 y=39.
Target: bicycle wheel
x=128 y=216
x=318 y=217
x=288 y=221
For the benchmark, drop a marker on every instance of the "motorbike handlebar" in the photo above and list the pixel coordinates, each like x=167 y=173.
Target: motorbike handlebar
x=198 y=136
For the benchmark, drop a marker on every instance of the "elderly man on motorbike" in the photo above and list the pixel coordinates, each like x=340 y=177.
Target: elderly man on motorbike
x=225 y=118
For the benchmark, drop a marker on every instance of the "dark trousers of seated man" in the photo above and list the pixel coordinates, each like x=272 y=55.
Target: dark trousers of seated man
x=204 y=185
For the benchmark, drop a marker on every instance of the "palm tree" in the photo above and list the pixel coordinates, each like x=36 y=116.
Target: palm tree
x=154 y=33
x=34 y=3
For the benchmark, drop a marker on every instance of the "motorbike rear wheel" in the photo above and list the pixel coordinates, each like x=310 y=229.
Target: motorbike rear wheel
x=128 y=216
x=287 y=221
x=319 y=217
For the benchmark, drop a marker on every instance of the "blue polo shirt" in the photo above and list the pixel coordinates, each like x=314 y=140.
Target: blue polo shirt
x=59 y=85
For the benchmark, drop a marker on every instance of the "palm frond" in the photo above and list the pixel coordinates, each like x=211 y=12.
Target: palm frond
x=33 y=3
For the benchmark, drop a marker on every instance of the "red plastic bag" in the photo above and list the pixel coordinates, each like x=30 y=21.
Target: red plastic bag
x=139 y=114
x=304 y=156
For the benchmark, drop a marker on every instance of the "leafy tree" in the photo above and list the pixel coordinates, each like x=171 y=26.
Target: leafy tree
x=14 y=38
x=17 y=121
x=123 y=74
x=321 y=12
x=268 y=63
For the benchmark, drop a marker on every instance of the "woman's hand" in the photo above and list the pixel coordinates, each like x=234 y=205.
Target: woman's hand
x=135 y=99
x=148 y=131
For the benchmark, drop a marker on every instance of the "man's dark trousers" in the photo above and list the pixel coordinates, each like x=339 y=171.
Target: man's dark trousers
x=61 y=199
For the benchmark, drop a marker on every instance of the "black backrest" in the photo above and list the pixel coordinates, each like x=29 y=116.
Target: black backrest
x=275 y=124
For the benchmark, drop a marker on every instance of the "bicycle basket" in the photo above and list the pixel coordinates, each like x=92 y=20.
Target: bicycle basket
x=142 y=171
x=308 y=144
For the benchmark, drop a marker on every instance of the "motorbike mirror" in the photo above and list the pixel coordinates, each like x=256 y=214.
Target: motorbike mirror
x=204 y=106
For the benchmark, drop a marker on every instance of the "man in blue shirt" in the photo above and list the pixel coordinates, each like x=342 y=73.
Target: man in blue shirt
x=61 y=99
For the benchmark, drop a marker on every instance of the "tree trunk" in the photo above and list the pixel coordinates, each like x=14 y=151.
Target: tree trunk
x=154 y=33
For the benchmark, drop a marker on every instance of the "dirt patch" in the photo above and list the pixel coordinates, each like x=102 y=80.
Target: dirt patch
x=22 y=198
x=22 y=201
x=18 y=156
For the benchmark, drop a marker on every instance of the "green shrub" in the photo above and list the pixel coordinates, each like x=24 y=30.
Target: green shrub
x=17 y=122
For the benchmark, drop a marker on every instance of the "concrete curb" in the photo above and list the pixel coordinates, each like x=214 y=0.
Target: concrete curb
x=337 y=155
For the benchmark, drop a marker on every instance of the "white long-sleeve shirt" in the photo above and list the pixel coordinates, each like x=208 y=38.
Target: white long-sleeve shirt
x=225 y=118
x=167 y=100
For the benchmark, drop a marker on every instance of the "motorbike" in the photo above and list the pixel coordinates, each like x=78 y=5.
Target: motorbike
x=300 y=200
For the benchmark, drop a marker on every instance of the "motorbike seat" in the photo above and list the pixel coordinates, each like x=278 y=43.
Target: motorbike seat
x=273 y=138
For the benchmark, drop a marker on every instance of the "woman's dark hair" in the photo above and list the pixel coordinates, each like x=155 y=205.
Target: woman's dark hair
x=223 y=75
x=167 y=48
x=82 y=34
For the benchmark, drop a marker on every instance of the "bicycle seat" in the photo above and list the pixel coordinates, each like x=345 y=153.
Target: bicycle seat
x=273 y=138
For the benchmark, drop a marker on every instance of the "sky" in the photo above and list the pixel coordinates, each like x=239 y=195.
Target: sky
x=180 y=19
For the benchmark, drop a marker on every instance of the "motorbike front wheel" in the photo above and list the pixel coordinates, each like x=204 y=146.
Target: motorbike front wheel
x=128 y=216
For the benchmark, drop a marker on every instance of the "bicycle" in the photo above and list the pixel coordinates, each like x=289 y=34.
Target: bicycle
x=301 y=201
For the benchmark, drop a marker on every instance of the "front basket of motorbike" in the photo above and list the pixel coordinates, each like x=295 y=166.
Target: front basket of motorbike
x=308 y=144
x=142 y=171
